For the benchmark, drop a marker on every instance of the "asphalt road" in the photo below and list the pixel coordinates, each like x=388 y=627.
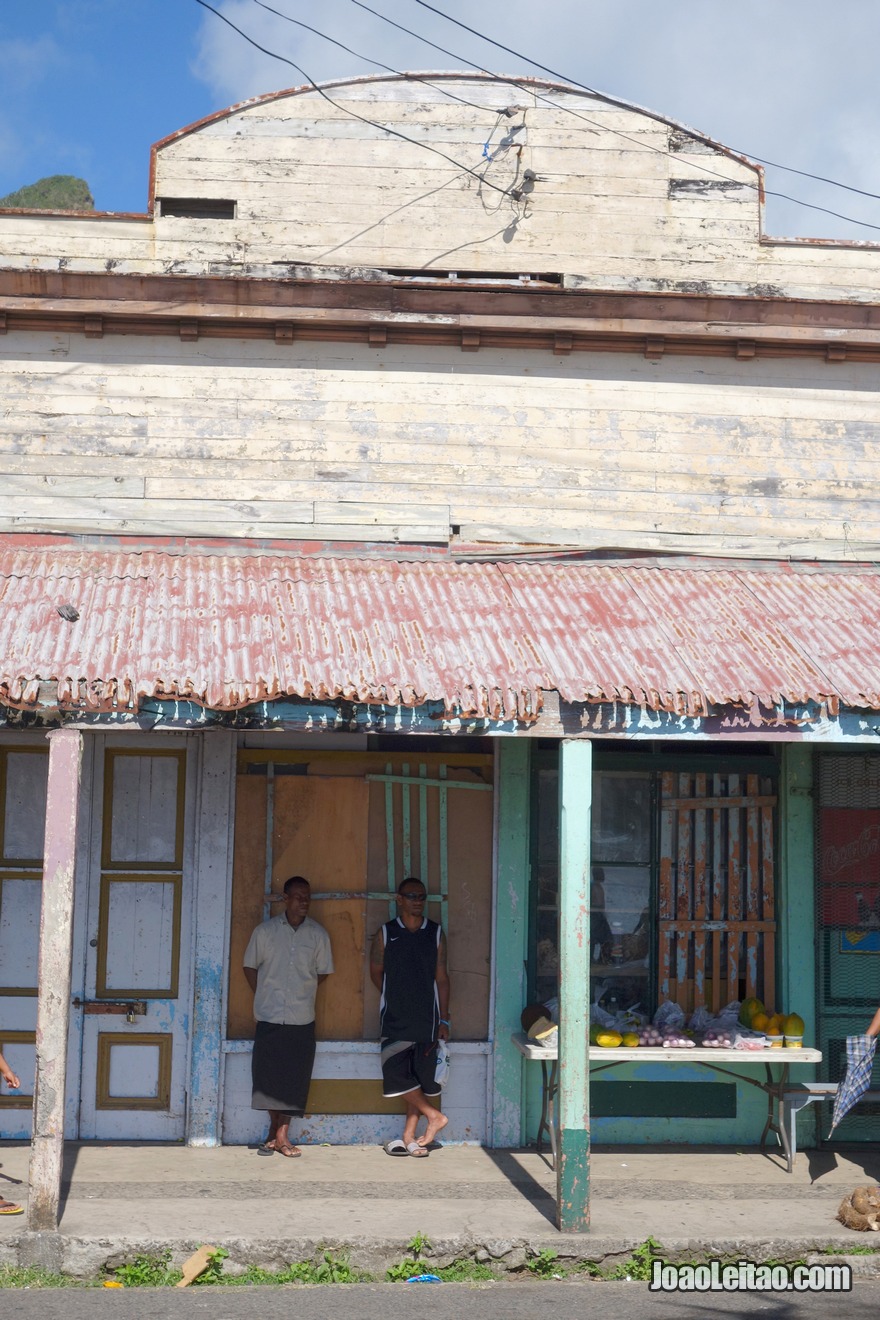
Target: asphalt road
x=448 y=1301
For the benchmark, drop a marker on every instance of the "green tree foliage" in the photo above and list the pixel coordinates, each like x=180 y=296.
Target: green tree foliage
x=58 y=192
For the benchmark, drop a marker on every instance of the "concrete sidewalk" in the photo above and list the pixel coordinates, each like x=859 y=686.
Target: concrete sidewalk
x=119 y=1200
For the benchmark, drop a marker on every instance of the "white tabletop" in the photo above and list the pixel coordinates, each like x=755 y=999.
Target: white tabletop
x=532 y=1049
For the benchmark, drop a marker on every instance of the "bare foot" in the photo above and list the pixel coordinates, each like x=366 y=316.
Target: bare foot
x=285 y=1148
x=435 y=1125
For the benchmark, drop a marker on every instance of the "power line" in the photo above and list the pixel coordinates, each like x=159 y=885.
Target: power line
x=610 y=100
x=410 y=77
x=465 y=168
x=805 y=174
x=352 y=113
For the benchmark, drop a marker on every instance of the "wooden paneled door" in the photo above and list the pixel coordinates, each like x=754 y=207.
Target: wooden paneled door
x=354 y=824
x=135 y=1008
x=23 y=774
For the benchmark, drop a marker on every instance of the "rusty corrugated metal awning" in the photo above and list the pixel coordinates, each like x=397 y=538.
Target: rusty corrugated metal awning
x=484 y=639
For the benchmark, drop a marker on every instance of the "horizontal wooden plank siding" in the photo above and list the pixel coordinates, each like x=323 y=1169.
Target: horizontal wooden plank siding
x=303 y=441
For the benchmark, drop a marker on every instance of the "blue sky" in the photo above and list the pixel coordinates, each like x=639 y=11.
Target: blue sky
x=89 y=84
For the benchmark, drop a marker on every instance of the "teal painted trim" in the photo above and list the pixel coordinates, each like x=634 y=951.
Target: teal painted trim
x=511 y=941
x=406 y=824
x=796 y=906
x=573 y=1101
x=663 y=1100
x=573 y=1180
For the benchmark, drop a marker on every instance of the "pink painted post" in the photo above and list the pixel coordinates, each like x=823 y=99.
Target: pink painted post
x=53 y=1003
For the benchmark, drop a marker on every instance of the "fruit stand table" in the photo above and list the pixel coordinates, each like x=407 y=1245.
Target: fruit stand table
x=776 y=1063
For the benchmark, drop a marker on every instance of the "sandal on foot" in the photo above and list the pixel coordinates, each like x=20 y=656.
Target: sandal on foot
x=289 y=1152
x=418 y=1152
x=395 y=1147
x=10 y=1208
x=267 y=1148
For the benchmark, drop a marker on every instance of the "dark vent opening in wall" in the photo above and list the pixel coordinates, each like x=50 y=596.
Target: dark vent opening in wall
x=198 y=208
x=477 y=276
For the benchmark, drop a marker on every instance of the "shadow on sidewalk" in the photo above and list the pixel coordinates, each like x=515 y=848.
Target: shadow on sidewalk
x=541 y=1197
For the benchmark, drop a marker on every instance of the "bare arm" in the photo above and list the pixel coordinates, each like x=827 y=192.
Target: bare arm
x=875 y=1025
x=442 y=978
x=8 y=1075
x=250 y=975
x=377 y=959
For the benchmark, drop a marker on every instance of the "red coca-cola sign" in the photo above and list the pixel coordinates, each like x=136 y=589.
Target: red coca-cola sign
x=849 y=867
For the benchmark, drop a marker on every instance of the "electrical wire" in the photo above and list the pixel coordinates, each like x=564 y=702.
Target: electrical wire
x=610 y=100
x=466 y=169
x=805 y=174
x=409 y=77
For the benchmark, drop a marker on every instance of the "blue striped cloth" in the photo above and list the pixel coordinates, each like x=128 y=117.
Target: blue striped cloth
x=859 y=1064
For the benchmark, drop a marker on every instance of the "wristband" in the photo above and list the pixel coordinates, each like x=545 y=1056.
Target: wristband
x=444 y=1022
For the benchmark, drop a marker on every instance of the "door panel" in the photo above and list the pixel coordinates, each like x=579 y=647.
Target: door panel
x=23 y=778
x=135 y=1006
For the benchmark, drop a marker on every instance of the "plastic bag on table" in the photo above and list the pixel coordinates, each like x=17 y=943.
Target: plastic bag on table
x=669 y=1017
x=728 y=1018
x=718 y=1030
x=700 y=1020
x=746 y=1039
x=599 y=1017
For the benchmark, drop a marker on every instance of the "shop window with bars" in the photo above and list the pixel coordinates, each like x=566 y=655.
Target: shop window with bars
x=683 y=893
x=716 y=892
x=847 y=870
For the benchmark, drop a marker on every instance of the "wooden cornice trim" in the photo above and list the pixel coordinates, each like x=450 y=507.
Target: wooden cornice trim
x=240 y=293
x=355 y=326
x=561 y=320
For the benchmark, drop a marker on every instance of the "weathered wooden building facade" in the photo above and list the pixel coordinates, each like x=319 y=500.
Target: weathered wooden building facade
x=432 y=451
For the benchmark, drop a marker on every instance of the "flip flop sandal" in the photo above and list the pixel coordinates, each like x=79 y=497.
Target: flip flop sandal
x=265 y=1149
x=10 y=1208
x=418 y=1152
x=395 y=1147
x=289 y=1152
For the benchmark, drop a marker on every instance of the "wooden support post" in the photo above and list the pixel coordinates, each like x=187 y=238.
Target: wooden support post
x=796 y=904
x=53 y=1000
x=511 y=929
x=572 y=1099
x=216 y=807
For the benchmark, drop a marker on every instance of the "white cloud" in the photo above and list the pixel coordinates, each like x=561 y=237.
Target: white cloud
x=24 y=65
x=789 y=81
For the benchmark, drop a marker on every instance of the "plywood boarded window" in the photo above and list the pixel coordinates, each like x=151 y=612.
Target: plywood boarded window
x=716 y=903
x=354 y=824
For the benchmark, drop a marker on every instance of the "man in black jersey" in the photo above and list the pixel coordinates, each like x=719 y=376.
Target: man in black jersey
x=408 y=968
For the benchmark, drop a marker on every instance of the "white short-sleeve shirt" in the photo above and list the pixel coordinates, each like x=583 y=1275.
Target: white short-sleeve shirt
x=288 y=961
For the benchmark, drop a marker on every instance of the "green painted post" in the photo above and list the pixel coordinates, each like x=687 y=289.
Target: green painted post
x=511 y=938
x=796 y=904
x=573 y=1094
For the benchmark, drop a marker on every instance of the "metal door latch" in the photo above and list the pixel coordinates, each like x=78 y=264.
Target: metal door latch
x=132 y=1008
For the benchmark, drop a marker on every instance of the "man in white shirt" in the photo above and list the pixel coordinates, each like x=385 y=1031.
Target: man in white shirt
x=286 y=959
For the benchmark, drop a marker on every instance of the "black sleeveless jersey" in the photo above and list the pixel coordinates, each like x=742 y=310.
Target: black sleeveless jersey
x=409 y=1008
